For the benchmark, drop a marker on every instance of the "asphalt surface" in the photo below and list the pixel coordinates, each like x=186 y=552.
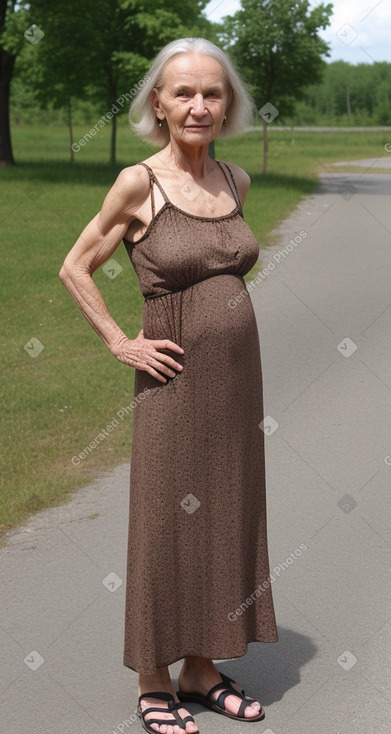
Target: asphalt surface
x=323 y=309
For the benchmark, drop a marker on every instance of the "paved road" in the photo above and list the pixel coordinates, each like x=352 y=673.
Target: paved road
x=323 y=129
x=323 y=308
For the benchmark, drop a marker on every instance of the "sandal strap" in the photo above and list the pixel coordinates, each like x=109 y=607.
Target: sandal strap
x=160 y=696
x=229 y=690
x=224 y=684
x=229 y=682
x=172 y=709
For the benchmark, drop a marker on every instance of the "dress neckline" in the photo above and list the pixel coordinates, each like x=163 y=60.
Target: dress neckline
x=170 y=205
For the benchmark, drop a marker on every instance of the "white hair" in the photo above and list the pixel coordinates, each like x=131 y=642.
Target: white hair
x=241 y=110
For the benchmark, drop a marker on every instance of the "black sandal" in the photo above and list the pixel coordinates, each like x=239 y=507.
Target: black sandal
x=171 y=707
x=218 y=705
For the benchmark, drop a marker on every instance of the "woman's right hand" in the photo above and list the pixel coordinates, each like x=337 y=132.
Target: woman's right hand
x=144 y=354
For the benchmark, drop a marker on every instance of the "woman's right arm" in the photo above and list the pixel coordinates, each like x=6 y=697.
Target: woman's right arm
x=93 y=248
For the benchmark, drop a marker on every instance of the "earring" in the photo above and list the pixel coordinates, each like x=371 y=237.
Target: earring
x=225 y=119
x=159 y=121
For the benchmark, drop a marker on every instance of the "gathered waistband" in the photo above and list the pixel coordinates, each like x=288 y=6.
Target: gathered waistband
x=186 y=288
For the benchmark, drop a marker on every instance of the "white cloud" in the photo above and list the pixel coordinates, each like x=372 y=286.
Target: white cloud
x=365 y=34
x=367 y=26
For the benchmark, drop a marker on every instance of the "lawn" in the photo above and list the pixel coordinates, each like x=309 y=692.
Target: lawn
x=61 y=386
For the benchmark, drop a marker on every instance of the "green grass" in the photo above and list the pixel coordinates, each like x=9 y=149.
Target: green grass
x=53 y=405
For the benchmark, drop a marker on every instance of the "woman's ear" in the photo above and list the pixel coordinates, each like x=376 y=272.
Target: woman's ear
x=230 y=95
x=154 y=100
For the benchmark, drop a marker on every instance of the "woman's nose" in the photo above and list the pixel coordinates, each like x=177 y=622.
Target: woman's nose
x=198 y=105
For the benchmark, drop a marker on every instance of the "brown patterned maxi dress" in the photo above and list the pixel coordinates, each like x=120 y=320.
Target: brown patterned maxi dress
x=197 y=531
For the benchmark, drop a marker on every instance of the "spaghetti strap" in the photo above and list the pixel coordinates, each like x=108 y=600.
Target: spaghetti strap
x=150 y=187
x=153 y=180
x=236 y=195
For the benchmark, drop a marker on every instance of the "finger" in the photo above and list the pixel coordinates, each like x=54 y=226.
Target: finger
x=169 y=361
x=162 y=367
x=167 y=344
x=155 y=374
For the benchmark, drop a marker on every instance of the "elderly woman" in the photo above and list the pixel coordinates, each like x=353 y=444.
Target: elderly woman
x=198 y=585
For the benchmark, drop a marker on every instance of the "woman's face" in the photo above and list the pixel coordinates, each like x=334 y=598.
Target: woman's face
x=193 y=98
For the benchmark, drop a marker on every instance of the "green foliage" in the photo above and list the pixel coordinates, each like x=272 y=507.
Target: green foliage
x=276 y=45
x=15 y=21
x=62 y=62
x=350 y=95
x=94 y=50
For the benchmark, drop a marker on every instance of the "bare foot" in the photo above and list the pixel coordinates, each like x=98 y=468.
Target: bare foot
x=161 y=681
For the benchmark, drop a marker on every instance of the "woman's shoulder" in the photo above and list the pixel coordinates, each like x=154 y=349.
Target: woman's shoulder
x=242 y=179
x=132 y=184
x=136 y=177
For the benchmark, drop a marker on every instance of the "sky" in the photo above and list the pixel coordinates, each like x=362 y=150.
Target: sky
x=360 y=30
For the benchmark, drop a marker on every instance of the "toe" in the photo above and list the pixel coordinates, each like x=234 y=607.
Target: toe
x=191 y=727
x=251 y=711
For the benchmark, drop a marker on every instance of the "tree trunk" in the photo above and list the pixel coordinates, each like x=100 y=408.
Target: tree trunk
x=348 y=108
x=113 y=142
x=6 y=69
x=70 y=128
x=265 y=146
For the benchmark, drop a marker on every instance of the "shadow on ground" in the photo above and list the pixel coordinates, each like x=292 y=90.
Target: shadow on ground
x=60 y=171
x=348 y=184
x=268 y=671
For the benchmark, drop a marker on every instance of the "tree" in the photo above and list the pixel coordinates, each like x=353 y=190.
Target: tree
x=102 y=49
x=276 y=46
x=96 y=49
x=13 y=24
x=63 y=61
x=128 y=34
